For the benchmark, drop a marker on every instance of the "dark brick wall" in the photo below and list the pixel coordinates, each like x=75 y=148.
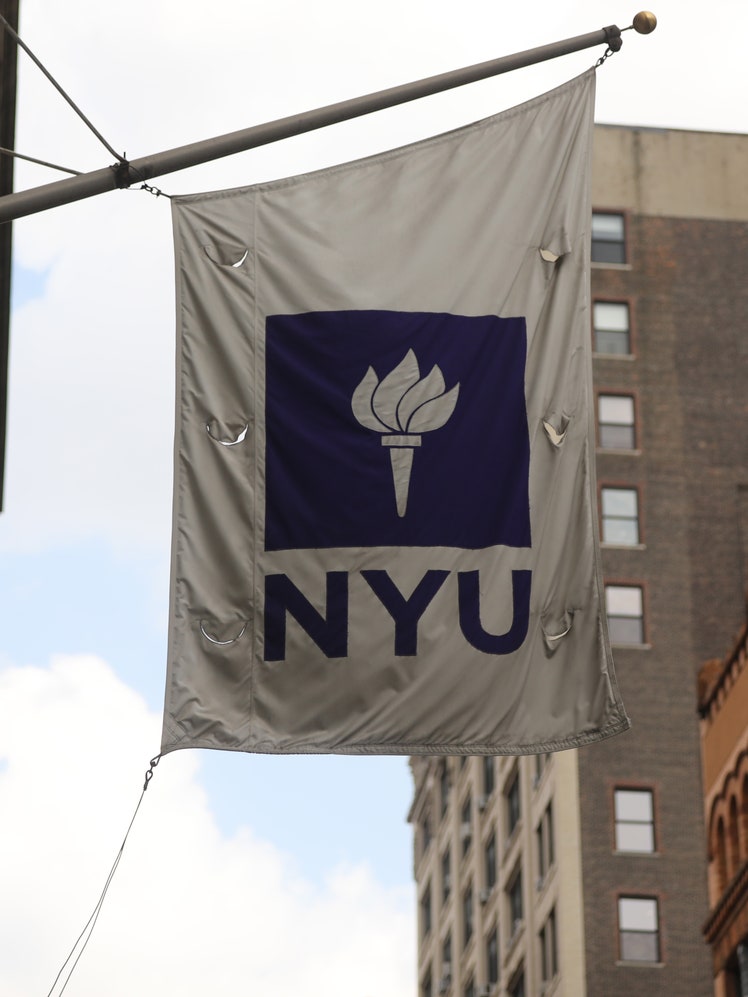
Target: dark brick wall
x=688 y=289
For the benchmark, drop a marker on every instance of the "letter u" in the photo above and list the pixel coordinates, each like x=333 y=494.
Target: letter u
x=470 y=623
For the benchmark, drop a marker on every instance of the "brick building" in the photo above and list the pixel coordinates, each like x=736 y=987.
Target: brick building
x=584 y=873
x=723 y=705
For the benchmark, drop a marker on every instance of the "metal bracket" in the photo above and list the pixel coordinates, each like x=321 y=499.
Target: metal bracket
x=124 y=176
x=613 y=37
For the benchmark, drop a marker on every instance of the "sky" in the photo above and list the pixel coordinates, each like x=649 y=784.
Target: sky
x=242 y=873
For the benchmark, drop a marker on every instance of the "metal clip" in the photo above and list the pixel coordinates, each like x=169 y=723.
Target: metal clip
x=149 y=773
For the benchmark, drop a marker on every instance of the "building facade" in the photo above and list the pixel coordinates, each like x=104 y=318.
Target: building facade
x=723 y=706
x=585 y=872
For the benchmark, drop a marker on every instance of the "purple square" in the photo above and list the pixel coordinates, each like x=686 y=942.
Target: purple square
x=454 y=410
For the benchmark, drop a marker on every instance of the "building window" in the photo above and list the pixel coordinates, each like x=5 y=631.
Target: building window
x=541 y=760
x=616 y=429
x=446 y=978
x=638 y=929
x=489 y=777
x=490 y=862
x=517 y=986
x=447 y=955
x=446 y=875
x=720 y=857
x=492 y=957
x=620 y=509
x=548 y=949
x=611 y=327
x=467 y=915
x=466 y=827
x=425 y=832
x=514 y=896
x=426 y=988
x=444 y=788
x=733 y=838
x=634 y=816
x=544 y=838
x=608 y=238
x=513 y=811
x=426 y=911
x=624 y=606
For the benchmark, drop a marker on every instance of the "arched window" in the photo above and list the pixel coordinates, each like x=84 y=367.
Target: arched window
x=719 y=861
x=743 y=825
x=733 y=848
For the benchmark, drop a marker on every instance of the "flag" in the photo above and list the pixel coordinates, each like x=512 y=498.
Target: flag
x=384 y=534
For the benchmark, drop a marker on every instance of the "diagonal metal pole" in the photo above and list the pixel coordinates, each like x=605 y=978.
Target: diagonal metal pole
x=124 y=174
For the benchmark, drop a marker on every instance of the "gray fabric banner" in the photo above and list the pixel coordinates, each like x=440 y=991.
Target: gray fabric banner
x=385 y=528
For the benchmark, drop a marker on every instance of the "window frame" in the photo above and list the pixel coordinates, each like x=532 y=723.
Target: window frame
x=443 y=789
x=447 y=955
x=542 y=760
x=515 y=900
x=427 y=912
x=489 y=775
x=512 y=792
x=656 y=933
x=468 y=916
x=546 y=846
x=466 y=820
x=634 y=788
x=493 y=963
x=518 y=983
x=427 y=983
x=608 y=486
x=628 y=332
x=426 y=832
x=548 y=947
x=604 y=393
x=623 y=242
x=491 y=861
x=446 y=873
x=611 y=584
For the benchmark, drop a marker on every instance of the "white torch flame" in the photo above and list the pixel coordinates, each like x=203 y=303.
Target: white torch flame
x=403 y=405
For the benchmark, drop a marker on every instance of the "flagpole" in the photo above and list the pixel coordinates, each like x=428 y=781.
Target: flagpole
x=27 y=202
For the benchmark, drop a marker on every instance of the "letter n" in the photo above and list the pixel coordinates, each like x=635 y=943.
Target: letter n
x=329 y=633
x=468 y=583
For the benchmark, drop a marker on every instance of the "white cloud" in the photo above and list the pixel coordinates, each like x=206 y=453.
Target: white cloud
x=190 y=911
x=91 y=387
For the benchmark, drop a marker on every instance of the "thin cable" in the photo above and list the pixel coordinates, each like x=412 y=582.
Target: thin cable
x=90 y=924
x=156 y=191
x=12 y=32
x=39 y=162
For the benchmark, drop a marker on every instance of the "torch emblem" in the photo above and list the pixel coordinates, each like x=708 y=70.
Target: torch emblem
x=403 y=406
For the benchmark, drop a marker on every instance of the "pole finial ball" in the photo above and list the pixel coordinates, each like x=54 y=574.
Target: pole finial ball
x=645 y=22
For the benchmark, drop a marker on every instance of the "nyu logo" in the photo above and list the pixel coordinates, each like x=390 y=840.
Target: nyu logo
x=333 y=429
x=338 y=434
x=330 y=631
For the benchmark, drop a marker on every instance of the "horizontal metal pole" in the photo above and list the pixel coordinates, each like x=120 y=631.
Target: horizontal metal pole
x=28 y=202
